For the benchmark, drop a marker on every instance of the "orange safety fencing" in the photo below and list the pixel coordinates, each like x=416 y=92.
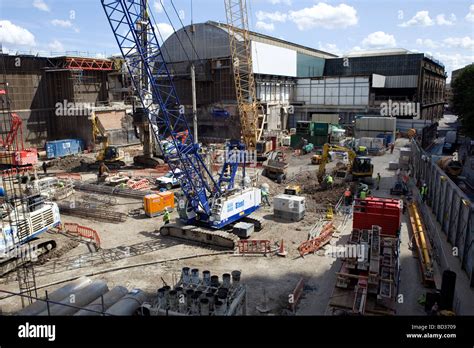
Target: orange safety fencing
x=143 y=184
x=16 y=171
x=254 y=247
x=296 y=294
x=317 y=243
x=82 y=231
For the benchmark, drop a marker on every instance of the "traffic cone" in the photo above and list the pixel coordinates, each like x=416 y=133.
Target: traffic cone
x=282 y=252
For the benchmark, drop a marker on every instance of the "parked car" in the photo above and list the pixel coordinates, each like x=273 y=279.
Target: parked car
x=169 y=181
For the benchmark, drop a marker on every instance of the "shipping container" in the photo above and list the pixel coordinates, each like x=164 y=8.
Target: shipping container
x=62 y=148
x=319 y=140
x=326 y=118
x=376 y=124
x=303 y=127
x=318 y=128
x=297 y=140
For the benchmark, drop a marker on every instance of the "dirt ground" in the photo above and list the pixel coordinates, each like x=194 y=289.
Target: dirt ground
x=269 y=279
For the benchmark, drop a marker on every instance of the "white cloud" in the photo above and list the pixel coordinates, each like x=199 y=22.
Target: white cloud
x=454 y=61
x=61 y=23
x=325 y=16
x=441 y=19
x=265 y=26
x=427 y=43
x=459 y=42
x=271 y=16
x=158 y=5
x=56 y=46
x=421 y=18
x=165 y=30
x=330 y=48
x=283 y=2
x=470 y=15
x=14 y=34
x=41 y=5
x=379 y=39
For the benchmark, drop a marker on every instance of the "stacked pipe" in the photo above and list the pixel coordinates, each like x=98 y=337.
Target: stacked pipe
x=204 y=296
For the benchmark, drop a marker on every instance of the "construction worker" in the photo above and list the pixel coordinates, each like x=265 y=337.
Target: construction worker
x=363 y=195
x=379 y=179
x=392 y=147
x=363 y=150
x=265 y=193
x=103 y=172
x=166 y=217
x=329 y=181
x=45 y=168
x=424 y=192
x=347 y=197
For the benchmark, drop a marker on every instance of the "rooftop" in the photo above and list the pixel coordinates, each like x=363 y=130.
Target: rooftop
x=301 y=48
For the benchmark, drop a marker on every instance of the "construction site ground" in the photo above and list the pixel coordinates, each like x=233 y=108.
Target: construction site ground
x=133 y=254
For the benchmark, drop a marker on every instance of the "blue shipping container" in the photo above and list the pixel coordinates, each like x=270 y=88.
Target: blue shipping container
x=62 y=148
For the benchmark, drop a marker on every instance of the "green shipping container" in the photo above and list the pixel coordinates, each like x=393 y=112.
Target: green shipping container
x=297 y=140
x=303 y=127
x=319 y=140
x=318 y=128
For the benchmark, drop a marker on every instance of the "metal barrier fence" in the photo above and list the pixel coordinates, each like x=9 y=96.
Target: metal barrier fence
x=451 y=207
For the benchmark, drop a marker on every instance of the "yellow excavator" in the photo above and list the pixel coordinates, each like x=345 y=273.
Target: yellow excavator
x=112 y=156
x=358 y=168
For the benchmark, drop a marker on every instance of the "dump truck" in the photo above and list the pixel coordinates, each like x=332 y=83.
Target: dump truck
x=275 y=167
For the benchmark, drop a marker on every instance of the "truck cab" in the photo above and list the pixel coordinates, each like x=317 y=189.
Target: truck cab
x=168 y=181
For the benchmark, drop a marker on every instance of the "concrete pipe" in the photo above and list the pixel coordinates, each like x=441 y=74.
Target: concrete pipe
x=78 y=298
x=226 y=280
x=206 y=278
x=110 y=298
x=215 y=281
x=57 y=296
x=185 y=275
x=195 y=276
x=204 y=307
x=236 y=278
x=128 y=304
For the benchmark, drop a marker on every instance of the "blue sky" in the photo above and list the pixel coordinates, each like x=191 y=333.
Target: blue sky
x=444 y=29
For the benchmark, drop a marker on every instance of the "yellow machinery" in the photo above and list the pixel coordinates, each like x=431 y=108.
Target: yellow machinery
x=251 y=119
x=112 y=156
x=359 y=167
x=422 y=244
x=155 y=205
x=316 y=159
x=294 y=190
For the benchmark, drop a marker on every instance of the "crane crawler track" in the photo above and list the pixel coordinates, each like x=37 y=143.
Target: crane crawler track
x=200 y=235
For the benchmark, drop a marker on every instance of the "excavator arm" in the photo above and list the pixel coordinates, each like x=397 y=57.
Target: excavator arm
x=325 y=157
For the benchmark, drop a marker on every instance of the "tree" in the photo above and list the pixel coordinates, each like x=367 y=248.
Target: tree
x=463 y=99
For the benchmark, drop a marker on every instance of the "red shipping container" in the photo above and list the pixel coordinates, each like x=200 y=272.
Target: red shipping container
x=383 y=212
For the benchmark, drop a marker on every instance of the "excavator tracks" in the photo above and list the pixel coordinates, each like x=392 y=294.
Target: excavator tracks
x=27 y=253
x=200 y=235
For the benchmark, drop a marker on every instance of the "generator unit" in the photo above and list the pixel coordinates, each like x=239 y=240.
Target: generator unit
x=291 y=208
x=155 y=205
